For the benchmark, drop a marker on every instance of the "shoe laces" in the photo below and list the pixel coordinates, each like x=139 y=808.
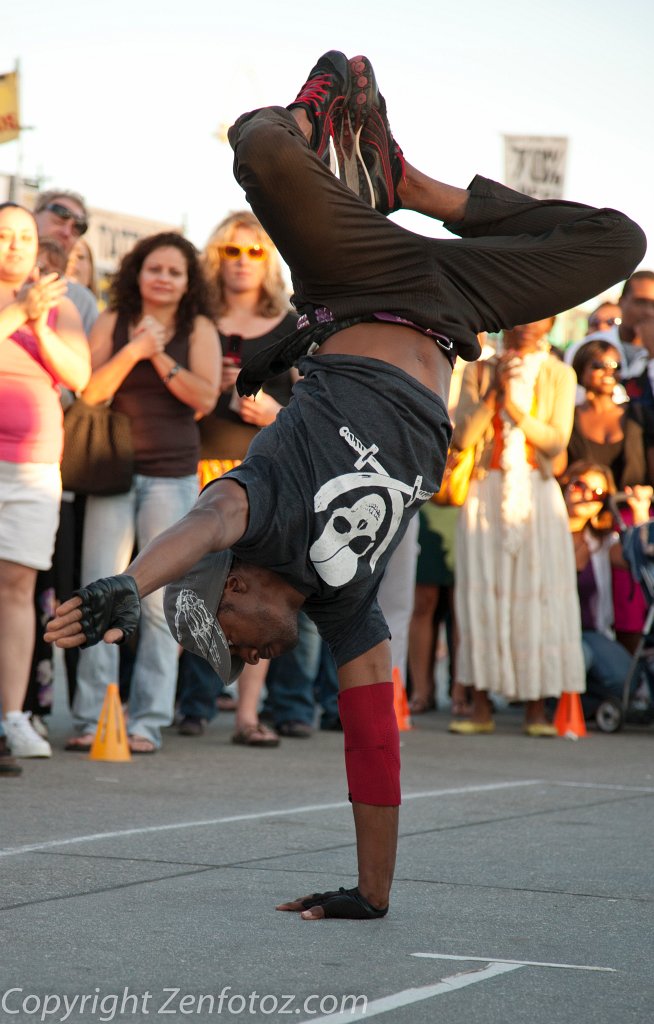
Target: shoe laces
x=315 y=91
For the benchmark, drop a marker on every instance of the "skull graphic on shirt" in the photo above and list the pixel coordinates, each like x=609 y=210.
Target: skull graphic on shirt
x=364 y=529
x=347 y=537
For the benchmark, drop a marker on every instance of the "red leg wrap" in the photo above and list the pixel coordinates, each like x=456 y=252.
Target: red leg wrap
x=372 y=744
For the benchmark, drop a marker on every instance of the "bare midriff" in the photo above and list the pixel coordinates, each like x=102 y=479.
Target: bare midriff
x=415 y=353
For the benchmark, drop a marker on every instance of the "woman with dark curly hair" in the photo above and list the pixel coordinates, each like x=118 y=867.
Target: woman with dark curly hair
x=156 y=358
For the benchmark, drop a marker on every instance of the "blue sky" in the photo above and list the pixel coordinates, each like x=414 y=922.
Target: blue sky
x=125 y=97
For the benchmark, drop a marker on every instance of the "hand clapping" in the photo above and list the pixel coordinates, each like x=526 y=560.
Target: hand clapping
x=41 y=294
x=149 y=337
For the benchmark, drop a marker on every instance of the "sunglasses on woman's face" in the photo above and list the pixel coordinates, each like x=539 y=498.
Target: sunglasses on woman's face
x=584 y=492
x=234 y=252
x=80 y=226
x=608 y=364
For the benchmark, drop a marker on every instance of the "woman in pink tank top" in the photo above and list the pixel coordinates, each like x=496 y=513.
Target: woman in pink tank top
x=42 y=345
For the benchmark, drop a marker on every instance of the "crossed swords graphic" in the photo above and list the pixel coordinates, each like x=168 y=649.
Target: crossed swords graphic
x=380 y=478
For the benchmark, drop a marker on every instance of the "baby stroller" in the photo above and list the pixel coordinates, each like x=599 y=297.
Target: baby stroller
x=638 y=551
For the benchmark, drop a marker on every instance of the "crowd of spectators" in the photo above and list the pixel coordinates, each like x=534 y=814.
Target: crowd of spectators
x=525 y=580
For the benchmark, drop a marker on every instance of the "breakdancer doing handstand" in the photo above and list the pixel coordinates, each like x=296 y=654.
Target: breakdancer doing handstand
x=311 y=517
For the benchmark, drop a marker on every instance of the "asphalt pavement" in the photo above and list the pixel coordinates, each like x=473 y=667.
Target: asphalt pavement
x=145 y=892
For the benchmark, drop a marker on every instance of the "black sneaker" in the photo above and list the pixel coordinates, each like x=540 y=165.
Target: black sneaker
x=295 y=730
x=324 y=96
x=378 y=158
x=190 y=725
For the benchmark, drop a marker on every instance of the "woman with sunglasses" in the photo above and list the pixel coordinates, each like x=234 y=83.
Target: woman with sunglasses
x=42 y=348
x=586 y=487
x=516 y=601
x=155 y=356
x=245 y=274
x=244 y=271
x=602 y=433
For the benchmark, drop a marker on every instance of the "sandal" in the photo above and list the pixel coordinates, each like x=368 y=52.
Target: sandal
x=421 y=705
x=80 y=744
x=141 y=745
x=256 y=735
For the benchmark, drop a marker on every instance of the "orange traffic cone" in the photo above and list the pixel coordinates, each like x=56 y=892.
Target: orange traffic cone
x=400 y=703
x=569 y=718
x=110 y=743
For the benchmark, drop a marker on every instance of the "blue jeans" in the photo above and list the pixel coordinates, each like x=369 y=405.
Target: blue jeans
x=298 y=678
x=198 y=686
x=112 y=527
x=607 y=664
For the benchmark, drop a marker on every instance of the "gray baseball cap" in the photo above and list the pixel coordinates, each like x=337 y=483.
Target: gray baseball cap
x=191 y=606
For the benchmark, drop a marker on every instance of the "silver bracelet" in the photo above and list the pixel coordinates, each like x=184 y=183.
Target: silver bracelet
x=173 y=373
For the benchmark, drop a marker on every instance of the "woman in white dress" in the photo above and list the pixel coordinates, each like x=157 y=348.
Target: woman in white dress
x=516 y=596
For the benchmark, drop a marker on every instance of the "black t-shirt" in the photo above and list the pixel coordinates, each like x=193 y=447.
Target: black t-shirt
x=332 y=484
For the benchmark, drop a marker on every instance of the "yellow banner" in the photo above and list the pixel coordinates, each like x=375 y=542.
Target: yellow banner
x=9 y=114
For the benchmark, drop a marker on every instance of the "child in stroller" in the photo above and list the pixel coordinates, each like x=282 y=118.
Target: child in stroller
x=590 y=495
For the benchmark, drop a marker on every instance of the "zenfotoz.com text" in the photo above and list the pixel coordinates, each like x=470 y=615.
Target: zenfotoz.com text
x=172 y=1001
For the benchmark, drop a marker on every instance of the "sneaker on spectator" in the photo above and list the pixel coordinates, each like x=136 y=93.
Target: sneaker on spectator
x=190 y=725
x=39 y=725
x=22 y=738
x=8 y=764
x=295 y=730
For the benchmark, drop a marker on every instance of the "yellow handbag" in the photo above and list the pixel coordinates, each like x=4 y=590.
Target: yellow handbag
x=459 y=465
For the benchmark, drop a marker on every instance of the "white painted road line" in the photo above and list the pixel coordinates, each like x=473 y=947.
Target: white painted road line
x=495 y=967
x=605 y=785
x=254 y=816
x=307 y=809
x=417 y=995
x=520 y=963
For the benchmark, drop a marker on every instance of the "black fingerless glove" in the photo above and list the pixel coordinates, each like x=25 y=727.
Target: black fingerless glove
x=109 y=603
x=346 y=903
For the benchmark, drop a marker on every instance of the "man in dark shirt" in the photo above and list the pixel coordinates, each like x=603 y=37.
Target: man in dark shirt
x=311 y=517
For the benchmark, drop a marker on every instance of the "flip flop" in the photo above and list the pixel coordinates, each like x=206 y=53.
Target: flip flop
x=80 y=744
x=141 y=745
x=257 y=735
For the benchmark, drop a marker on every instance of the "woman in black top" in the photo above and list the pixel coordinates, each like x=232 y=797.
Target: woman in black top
x=602 y=433
x=244 y=271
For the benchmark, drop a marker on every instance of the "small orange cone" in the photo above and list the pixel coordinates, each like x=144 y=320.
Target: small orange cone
x=110 y=743
x=400 y=703
x=569 y=718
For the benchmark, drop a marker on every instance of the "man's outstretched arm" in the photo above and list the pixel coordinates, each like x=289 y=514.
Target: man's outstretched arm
x=217 y=520
x=372 y=761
